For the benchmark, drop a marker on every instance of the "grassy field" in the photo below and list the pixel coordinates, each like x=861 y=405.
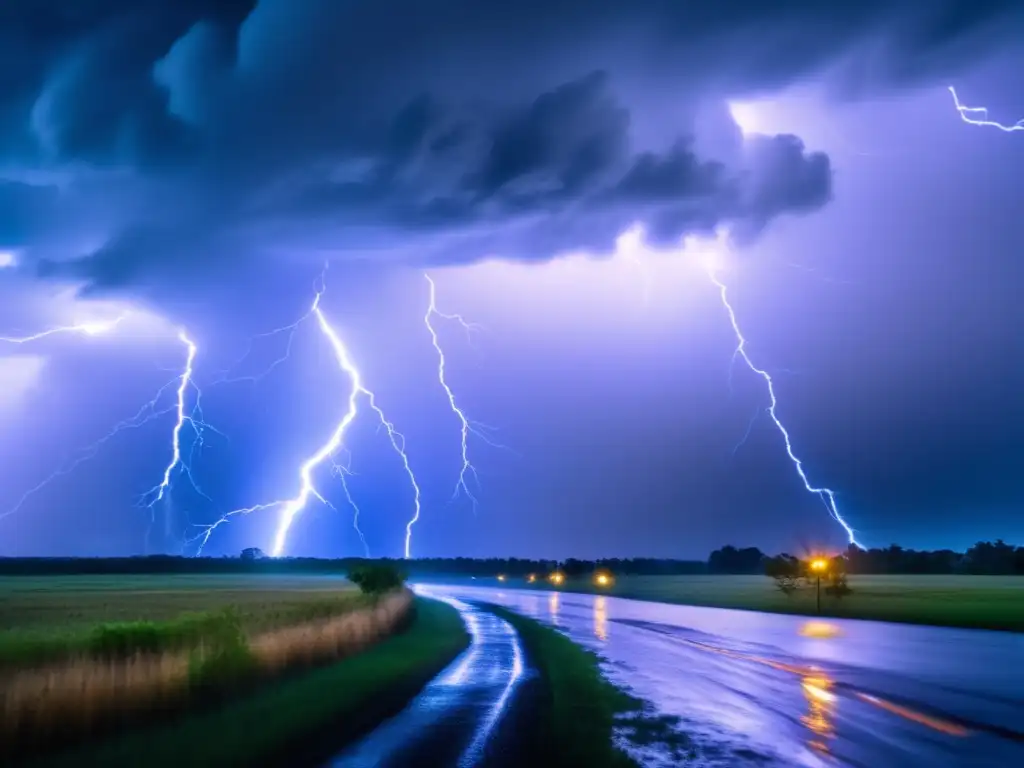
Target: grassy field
x=299 y=721
x=83 y=657
x=984 y=602
x=580 y=711
x=47 y=617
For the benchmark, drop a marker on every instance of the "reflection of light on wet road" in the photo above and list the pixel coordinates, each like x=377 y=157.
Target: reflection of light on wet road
x=820 y=629
x=816 y=683
x=473 y=692
x=756 y=689
x=819 y=717
x=553 y=608
x=601 y=618
x=934 y=723
x=475 y=750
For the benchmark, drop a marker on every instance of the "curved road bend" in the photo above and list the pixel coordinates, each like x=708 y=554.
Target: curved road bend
x=768 y=689
x=451 y=721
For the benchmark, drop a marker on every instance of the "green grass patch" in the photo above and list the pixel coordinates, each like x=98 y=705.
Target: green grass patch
x=51 y=617
x=302 y=720
x=583 y=710
x=977 y=602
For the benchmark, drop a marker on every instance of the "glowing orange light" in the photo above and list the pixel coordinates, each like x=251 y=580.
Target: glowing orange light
x=557 y=577
x=820 y=629
x=531 y=578
x=819 y=564
x=603 y=579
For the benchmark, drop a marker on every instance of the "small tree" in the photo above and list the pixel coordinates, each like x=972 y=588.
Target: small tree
x=376 y=579
x=786 y=570
x=837 y=581
x=252 y=553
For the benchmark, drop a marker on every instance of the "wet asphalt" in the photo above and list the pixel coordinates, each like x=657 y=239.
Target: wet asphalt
x=455 y=719
x=762 y=689
x=744 y=688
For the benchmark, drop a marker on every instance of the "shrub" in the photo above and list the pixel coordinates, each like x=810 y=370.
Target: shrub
x=786 y=570
x=224 y=655
x=377 y=579
x=123 y=639
x=837 y=587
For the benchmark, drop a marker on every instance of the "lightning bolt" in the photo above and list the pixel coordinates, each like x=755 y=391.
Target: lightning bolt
x=290 y=329
x=148 y=412
x=144 y=415
x=85 y=329
x=397 y=440
x=979 y=116
x=290 y=508
x=193 y=418
x=826 y=495
x=342 y=472
x=467 y=427
x=746 y=435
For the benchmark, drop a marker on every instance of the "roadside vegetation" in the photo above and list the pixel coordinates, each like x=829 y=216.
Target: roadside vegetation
x=44 y=618
x=299 y=720
x=579 y=717
x=70 y=682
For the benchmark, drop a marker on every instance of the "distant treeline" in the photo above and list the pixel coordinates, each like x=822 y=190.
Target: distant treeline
x=984 y=558
x=996 y=558
x=249 y=563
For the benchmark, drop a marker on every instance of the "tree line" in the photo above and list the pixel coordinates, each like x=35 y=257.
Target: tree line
x=992 y=558
x=985 y=558
x=252 y=560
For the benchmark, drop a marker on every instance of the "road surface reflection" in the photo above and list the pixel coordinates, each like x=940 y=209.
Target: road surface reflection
x=820 y=703
x=601 y=618
x=768 y=689
x=450 y=722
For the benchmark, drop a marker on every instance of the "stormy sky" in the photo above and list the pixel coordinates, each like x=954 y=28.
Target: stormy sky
x=566 y=171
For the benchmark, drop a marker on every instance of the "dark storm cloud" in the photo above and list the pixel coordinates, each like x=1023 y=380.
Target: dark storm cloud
x=22 y=209
x=450 y=130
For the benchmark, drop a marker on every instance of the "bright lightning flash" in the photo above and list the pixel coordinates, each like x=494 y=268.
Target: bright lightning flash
x=979 y=116
x=290 y=508
x=85 y=329
x=827 y=496
x=144 y=415
x=191 y=417
x=468 y=427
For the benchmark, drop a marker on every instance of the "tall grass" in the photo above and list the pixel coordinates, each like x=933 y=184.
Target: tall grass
x=300 y=719
x=40 y=627
x=139 y=667
x=121 y=640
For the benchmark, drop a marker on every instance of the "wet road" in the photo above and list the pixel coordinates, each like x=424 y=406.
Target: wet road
x=766 y=689
x=452 y=720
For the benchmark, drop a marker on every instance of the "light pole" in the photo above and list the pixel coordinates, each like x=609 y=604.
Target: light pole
x=818 y=565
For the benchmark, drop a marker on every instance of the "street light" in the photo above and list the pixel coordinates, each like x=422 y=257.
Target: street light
x=603 y=579
x=557 y=578
x=818 y=565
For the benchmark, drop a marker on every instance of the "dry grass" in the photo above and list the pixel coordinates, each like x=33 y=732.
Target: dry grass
x=82 y=694
x=330 y=639
x=76 y=695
